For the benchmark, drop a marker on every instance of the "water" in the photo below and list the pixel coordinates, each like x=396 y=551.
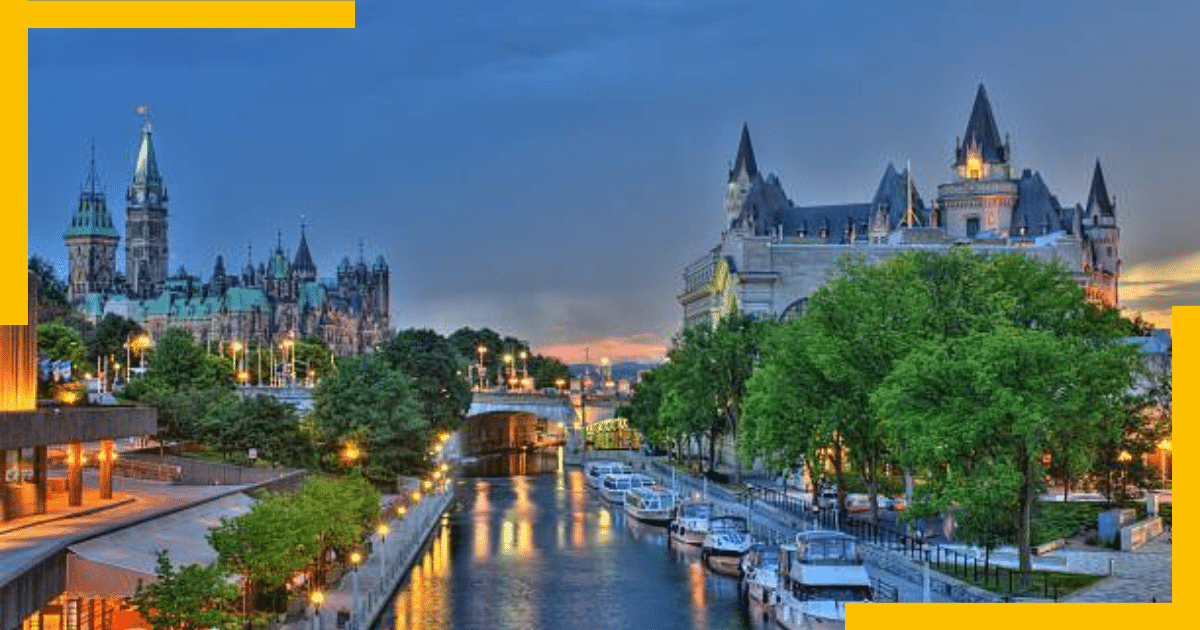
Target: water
x=531 y=547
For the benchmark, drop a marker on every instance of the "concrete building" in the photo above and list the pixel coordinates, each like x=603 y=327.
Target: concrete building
x=774 y=254
x=33 y=441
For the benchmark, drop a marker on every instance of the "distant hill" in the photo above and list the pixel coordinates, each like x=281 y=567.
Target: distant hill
x=625 y=370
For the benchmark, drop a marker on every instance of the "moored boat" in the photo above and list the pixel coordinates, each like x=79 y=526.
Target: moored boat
x=818 y=576
x=690 y=524
x=650 y=504
x=760 y=574
x=594 y=471
x=727 y=541
x=614 y=486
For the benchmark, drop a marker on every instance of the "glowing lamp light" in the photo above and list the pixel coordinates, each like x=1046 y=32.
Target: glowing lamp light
x=317 y=598
x=437 y=474
x=401 y=510
x=416 y=496
x=1165 y=445
x=445 y=467
x=355 y=559
x=428 y=484
x=1124 y=456
x=383 y=529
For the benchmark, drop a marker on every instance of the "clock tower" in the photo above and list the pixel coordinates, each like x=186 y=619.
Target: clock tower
x=145 y=222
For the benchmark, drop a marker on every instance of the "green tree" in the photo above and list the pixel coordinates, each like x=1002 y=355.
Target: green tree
x=193 y=597
x=438 y=373
x=52 y=291
x=338 y=512
x=109 y=336
x=313 y=358
x=60 y=342
x=371 y=404
x=546 y=371
x=267 y=546
x=791 y=411
x=988 y=406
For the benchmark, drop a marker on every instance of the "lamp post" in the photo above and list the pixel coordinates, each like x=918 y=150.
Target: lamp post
x=317 y=597
x=508 y=362
x=383 y=530
x=355 y=560
x=1163 y=447
x=482 y=350
x=524 y=366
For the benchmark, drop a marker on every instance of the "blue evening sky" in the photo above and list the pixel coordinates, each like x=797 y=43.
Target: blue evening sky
x=547 y=168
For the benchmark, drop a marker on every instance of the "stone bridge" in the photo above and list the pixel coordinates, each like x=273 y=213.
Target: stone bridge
x=499 y=421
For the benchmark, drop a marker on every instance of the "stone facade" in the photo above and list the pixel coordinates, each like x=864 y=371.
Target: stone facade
x=281 y=298
x=773 y=254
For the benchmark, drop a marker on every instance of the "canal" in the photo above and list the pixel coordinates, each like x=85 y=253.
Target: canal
x=531 y=547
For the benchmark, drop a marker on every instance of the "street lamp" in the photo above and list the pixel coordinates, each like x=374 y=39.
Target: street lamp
x=524 y=365
x=317 y=597
x=355 y=560
x=482 y=350
x=350 y=454
x=383 y=530
x=508 y=361
x=1163 y=447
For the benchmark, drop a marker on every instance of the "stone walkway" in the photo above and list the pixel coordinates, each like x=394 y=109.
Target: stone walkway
x=1141 y=575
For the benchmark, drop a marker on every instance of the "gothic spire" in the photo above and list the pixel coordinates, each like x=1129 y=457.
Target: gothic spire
x=1098 y=199
x=745 y=156
x=145 y=170
x=304 y=261
x=982 y=132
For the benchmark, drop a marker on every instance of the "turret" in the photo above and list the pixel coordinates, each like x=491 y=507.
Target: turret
x=91 y=241
x=980 y=154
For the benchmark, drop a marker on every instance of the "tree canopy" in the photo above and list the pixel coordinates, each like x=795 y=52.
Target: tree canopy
x=438 y=373
x=193 y=597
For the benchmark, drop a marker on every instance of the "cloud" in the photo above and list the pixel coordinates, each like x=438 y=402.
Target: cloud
x=642 y=345
x=1153 y=288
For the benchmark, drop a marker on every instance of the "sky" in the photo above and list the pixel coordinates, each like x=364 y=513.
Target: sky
x=547 y=169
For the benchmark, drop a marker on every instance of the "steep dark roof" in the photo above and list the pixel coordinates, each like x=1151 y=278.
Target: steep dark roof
x=891 y=193
x=745 y=156
x=833 y=218
x=981 y=128
x=145 y=170
x=219 y=267
x=91 y=217
x=304 y=260
x=1037 y=210
x=1098 y=199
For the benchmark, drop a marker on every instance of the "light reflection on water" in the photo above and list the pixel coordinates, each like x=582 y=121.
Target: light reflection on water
x=540 y=550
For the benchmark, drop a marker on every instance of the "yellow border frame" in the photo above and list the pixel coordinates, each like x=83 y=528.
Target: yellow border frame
x=14 y=69
x=22 y=15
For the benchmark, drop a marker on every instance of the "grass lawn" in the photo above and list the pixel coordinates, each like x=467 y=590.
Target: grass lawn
x=997 y=580
x=213 y=456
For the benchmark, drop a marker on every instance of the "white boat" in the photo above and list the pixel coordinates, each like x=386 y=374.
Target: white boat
x=818 y=576
x=727 y=541
x=593 y=472
x=691 y=522
x=650 y=504
x=760 y=574
x=614 y=486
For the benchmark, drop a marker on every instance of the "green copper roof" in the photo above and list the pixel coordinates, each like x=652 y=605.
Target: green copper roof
x=145 y=170
x=91 y=217
x=278 y=265
x=241 y=299
x=311 y=295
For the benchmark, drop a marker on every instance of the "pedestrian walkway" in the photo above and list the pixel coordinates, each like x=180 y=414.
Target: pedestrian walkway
x=1141 y=575
x=365 y=592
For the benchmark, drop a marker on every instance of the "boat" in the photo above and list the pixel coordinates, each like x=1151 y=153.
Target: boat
x=818 y=576
x=614 y=486
x=690 y=524
x=727 y=541
x=593 y=472
x=760 y=574
x=650 y=504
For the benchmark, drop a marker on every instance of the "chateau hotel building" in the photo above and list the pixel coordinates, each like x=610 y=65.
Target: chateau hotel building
x=773 y=254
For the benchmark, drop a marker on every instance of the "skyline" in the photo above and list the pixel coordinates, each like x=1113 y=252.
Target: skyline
x=551 y=179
